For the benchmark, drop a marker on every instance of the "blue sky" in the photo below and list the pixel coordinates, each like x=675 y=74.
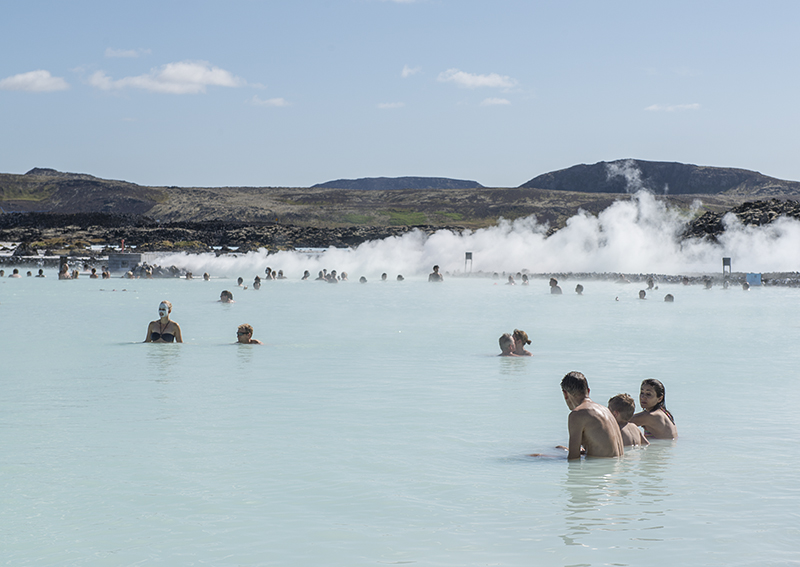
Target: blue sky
x=293 y=93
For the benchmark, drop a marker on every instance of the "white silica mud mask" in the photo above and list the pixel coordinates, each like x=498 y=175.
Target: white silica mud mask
x=163 y=310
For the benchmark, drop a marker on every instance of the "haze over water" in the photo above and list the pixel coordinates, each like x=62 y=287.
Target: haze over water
x=378 y=426
x=637 y=236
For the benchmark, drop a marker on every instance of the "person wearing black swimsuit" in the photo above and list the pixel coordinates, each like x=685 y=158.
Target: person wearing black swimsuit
x=163 y=329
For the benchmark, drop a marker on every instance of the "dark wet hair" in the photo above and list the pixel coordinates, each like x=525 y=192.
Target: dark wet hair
x=660 y=393
x=575 y=383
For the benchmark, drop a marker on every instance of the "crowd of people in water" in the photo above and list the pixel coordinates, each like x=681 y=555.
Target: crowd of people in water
x=594 y=430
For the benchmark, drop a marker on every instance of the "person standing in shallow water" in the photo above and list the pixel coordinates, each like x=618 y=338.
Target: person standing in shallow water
x=554 y=288
x=435 y=276
x=654 y=418
x=163 y=329
x=590 y=425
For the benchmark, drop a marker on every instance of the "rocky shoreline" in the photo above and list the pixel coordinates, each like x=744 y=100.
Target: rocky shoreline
x=89 y=237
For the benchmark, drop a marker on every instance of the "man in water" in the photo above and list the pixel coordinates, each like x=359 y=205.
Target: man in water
x=244 y=335
x=435 y=276
x=507 y=345
x=622 y=407
x=590 y=424
x=555 y=289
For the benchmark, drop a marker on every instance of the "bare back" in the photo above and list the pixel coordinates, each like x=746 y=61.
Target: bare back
x=594 y=427
x=656 y=424
x=632 y=435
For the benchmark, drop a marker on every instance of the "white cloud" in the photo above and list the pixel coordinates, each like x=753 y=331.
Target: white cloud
x=391 y=105
x=494 y=101
x=35 y=82
x=269 y=102
x=184 y=77
x=408 y=71
x=672 y=107
x=126 y=52
x=471 y=81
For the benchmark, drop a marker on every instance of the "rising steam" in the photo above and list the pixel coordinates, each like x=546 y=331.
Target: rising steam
x=641 y=235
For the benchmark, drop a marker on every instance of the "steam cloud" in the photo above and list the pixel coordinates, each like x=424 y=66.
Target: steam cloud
x=636 y=236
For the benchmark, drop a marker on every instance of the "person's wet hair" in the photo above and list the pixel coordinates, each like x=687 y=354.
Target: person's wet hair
x=624 y=405
x=658 y=387
x=575 y=383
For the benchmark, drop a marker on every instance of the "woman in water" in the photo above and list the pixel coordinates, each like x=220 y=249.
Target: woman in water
x=520 y=340
x=656 y=420
x=163 y=329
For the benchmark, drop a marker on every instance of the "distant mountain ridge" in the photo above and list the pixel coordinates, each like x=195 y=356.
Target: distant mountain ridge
x=395 y=183
x=412 y=201
x=662 y=178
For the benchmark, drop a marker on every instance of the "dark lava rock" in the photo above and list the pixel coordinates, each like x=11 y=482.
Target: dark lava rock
x=752 y=213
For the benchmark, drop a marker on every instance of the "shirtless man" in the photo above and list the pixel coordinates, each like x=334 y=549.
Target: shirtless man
x=435 y=276
x=244 y=335
x=622 y=407
x=507 y=345
x=590 y=424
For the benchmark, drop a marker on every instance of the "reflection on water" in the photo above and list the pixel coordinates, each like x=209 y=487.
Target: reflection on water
x=626 y=494
x=382 y=411
x=163 y=359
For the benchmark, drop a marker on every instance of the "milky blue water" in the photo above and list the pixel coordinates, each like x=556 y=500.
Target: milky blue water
x=376 y=426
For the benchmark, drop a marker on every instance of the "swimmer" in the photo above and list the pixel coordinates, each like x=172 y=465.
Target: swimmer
x=280 y=275
x=244 y=335
x=343 y=277
x=239 y=282
x=524 y=279
x=579 y=289
x=163 y=329
x=189 y=275
x=507 y=345
x=400 y=277
x=104 y=273
x=226 y=297
x=746 y=286
x=306 y=275
x=94 y=275
x=591 y=425
x=511 y=281
x=435 y=276
x=622 y=407
x=15 y=273
x=362 y=279
x=40 y=274
x=650 y=283
x=320 y=277
x=520 y=340
x=669 y=298
x=554 y=288
x=29 y=274
x=384 y=276
x=2 y=273
x=206 y=276
x=654 y=418
x=257 y=283
x=642 y=294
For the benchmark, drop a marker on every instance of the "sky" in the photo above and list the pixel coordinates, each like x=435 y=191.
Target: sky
x=294 y=93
